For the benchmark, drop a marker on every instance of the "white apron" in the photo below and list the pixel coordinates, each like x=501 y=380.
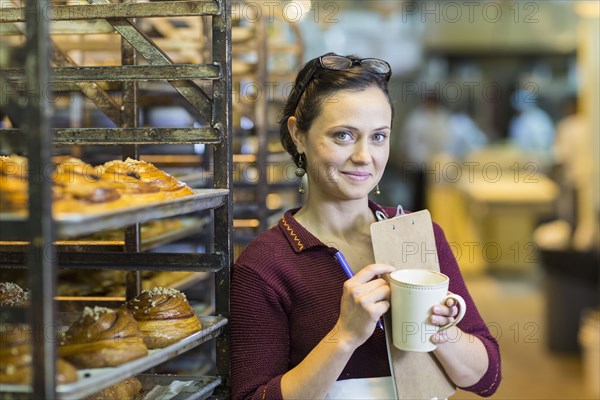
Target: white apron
x=360 y=389
x=363 y=389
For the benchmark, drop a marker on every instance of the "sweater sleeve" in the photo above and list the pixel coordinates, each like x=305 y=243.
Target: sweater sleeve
x=259 y=337
x=472 y=323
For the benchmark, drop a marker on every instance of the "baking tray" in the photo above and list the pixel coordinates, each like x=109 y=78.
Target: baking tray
x=201 y=388
x=87 y=295
x=189 y=226
x=197 y=179
x=69 y=225
x=75 y=224
x=93 y=380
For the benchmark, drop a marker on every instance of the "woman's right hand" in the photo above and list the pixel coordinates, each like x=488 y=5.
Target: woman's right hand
x=365 y=298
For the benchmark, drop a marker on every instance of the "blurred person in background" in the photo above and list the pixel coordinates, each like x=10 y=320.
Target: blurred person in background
x=569 y=148
x=574 y=178
x=532 y=129
x=424 y=137
x=3 y=116
x=464 y=135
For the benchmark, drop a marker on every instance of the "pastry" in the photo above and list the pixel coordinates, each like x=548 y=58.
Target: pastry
x=124 y=176
x=164 y=316
x=13 y=165
x=13 y=184
x=79 y=189
x=15 y=357
x=102 y=337
x=74 y=171
x=13 y=295
x=124 y=390
x=140 y=177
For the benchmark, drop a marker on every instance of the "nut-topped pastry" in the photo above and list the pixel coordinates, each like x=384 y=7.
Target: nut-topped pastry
x=15 y=357
x=102 y=337
x=164 y=316
x=12 y=295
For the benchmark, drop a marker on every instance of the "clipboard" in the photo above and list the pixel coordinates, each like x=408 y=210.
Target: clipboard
x=408 y=241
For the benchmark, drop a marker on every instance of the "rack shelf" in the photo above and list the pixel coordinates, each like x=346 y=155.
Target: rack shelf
x=200 y=388
x=112 y=136
x=73 y=225
x=116 y=10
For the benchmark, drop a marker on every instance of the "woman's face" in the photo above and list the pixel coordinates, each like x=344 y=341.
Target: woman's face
x=347 y=146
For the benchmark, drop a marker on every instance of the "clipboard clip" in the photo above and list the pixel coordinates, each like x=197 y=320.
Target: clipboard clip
x=380 y=215
x=400 y=210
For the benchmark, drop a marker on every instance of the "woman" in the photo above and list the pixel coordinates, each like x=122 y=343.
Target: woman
x=300 y=329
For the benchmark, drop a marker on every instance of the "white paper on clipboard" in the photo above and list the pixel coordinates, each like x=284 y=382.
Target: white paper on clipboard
x=408 y=241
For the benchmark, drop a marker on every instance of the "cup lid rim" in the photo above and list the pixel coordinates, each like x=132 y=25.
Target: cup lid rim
x=444 y=277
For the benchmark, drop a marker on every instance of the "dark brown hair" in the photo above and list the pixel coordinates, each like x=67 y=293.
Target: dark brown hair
x=323 y=84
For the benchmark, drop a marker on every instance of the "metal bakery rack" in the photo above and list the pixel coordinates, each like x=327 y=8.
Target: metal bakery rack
x=26 y=99
x=268 y=50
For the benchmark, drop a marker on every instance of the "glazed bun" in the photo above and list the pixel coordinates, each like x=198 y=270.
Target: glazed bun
x=102 y=337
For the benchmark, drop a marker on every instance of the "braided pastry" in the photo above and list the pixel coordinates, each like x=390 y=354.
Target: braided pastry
x=164 y=316
x=15 y=358
x=102 y=337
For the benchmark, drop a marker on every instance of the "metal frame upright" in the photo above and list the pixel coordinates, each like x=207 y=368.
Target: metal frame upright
x=222 y=156
x=41 y=261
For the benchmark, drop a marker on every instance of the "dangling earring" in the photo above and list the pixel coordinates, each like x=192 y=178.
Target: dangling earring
x=300 y=172
x=376 y=190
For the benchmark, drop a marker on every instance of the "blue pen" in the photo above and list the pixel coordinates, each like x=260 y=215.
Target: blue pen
x=348 y=271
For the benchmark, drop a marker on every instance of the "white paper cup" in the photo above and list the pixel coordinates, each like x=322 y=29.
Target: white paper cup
x=414 y=293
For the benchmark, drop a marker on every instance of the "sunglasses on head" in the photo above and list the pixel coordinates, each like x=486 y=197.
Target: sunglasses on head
x=342 y=63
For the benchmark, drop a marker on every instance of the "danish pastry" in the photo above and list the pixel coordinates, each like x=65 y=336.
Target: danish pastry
x=140 y=177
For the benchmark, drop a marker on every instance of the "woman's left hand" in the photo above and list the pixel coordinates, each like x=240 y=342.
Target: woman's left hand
x=442 y=315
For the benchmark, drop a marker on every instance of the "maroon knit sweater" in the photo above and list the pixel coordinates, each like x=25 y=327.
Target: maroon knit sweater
x=285 y=298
